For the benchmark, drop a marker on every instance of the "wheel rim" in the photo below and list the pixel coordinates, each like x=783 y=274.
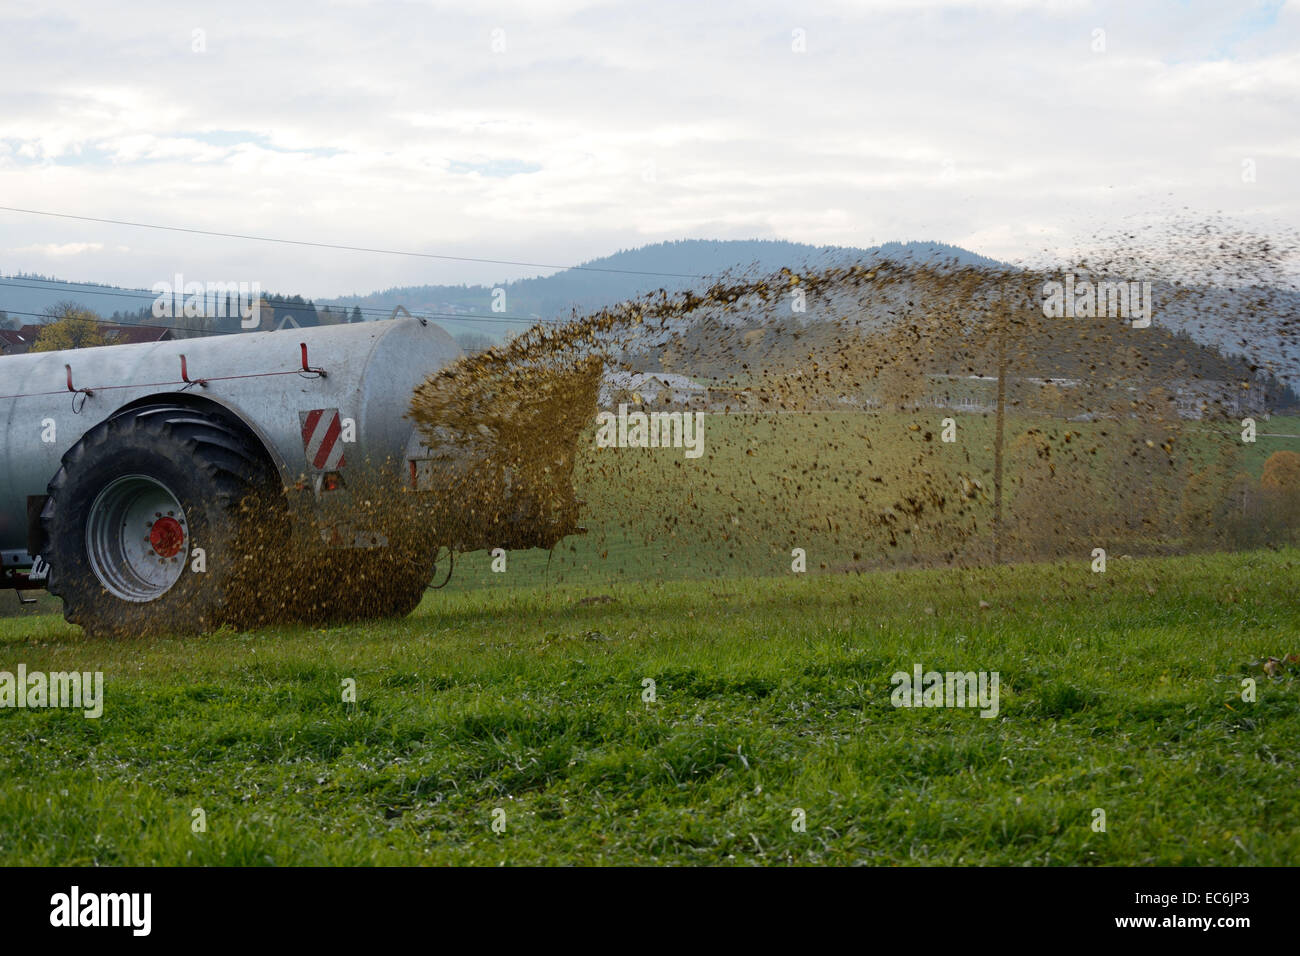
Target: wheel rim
x=137 y=538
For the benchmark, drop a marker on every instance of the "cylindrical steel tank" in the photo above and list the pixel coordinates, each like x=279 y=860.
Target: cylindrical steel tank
x=303 y=392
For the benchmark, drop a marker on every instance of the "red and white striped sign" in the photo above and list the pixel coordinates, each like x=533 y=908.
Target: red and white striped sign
x=321 y=428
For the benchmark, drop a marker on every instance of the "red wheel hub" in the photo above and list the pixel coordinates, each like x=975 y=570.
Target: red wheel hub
x=166 y=537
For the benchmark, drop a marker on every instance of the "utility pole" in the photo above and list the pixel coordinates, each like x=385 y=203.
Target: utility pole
x=997 y=437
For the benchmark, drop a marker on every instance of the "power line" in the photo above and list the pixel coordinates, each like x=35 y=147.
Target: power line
x=383 y=314
x=124 y=325
x=128 y=292
x=329 y=245
x=217 y=331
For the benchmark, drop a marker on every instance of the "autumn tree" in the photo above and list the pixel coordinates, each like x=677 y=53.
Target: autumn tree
x=69 y=326
x=1279 y=486
x=1281 y=471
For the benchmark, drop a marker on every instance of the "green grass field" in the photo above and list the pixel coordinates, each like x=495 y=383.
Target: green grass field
x=1119 y=691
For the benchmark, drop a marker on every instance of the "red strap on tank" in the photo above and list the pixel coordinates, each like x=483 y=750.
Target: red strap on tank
x=71 y=387
x=305 y=366
x=185 y=375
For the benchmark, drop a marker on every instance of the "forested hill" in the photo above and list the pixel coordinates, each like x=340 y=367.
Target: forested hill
x=667 y=265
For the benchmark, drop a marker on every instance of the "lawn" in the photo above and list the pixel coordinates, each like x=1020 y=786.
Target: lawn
x=1120 y=692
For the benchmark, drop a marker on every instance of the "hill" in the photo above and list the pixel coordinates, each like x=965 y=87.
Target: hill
x=628 y=273
x=1253 y=322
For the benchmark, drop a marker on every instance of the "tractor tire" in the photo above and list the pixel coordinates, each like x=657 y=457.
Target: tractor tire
x=155 y=520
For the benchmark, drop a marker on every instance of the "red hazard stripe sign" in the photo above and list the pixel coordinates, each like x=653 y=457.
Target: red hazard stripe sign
x=321 y=428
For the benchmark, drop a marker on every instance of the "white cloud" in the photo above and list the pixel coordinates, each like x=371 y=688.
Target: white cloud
x=990 y=124
x=61 y=250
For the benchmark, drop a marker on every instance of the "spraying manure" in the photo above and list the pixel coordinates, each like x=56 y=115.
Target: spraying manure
x=843 y=417
x=888 y=413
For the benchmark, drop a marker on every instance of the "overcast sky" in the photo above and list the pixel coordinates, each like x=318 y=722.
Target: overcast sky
x=556 y=131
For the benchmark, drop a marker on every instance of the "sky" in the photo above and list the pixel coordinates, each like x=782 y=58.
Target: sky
x=557 y=131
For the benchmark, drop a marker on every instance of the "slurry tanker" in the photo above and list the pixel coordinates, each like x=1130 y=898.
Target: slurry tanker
x=239 y=479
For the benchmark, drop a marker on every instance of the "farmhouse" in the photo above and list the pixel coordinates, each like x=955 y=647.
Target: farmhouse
x=12 y=342
x=650 y=388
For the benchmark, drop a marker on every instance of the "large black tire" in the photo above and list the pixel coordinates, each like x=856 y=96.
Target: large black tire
x=116 y=579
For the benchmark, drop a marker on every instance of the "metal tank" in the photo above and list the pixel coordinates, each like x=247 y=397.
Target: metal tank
x=275 y=382
x=97 y=490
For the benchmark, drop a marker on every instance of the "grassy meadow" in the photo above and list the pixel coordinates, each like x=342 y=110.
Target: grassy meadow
x=521 y=698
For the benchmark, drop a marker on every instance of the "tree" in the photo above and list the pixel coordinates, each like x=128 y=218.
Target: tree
x=1241 y=513
x=69 y=326
x=1279 y=484
x=230 y=319
x=1281 y=471
x=293 y=308
x=356 y=314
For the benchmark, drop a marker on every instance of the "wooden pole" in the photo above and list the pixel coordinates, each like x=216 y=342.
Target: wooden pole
x=998 y=435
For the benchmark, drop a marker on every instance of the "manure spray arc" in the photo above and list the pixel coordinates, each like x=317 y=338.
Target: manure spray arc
x=183 y=485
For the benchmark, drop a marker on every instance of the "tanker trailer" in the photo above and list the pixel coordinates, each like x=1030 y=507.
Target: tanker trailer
x=241 y=479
